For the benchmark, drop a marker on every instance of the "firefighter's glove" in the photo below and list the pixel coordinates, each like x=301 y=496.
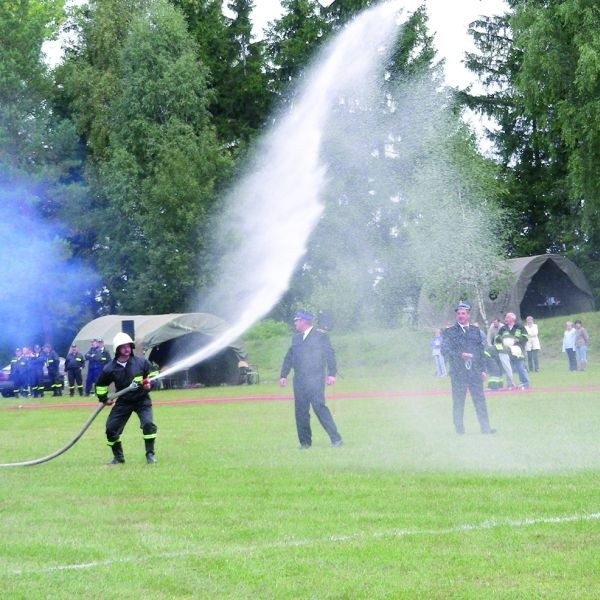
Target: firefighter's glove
x=103 y=398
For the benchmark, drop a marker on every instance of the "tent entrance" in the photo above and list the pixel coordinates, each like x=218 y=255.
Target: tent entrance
x=220 y=369
x=552 y=293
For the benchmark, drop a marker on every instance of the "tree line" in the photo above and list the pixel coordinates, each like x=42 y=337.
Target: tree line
x=113 y=164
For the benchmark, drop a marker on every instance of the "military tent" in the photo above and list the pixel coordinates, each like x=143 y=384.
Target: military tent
x=541 y=286
x=165 y=339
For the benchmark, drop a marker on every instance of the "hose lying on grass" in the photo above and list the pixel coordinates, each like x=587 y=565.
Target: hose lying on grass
x=38 y=461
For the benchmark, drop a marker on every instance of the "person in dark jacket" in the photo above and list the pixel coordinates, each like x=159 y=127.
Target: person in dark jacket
x=52 y=361
x=97 y=356
x=36 y=367
x=124 y=369
x=514 y=338
x=18 y=373
x=74 y=363
x=463 y=346
x=312 y=358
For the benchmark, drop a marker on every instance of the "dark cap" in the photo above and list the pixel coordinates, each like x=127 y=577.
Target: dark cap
x=304 y=315
x=464 y=305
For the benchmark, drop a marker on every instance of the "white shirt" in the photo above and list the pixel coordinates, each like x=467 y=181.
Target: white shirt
x=306 y=333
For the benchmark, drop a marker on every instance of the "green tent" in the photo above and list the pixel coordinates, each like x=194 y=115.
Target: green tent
x=165 y=339
x=534 y=280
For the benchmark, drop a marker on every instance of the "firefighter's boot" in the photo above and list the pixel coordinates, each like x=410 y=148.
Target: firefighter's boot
x=118 y=457
x=150 y=458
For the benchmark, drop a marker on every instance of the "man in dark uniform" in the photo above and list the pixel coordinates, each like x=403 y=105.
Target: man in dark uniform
x=122 y=370
x=97 y=357
x=313 y=360
x=16 y=373
x=464 y=346
x=52 y=361
x=23 y=372
x=74 y=363
x=36 y=365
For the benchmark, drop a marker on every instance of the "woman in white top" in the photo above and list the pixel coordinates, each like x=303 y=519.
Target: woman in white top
x=532 y=347
x=568 y=345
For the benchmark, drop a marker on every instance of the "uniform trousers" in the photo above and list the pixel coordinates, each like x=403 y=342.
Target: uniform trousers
x=307 y=395
x=468 y=380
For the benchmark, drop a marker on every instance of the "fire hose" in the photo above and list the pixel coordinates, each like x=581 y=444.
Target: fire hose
x=37 y=461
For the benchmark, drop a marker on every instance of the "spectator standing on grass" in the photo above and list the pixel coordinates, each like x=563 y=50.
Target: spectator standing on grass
x=436 y=352
x=97 y=357
x=514 y=337
x=581 y=343
x=74 y=363
x=532 y=347
x=36 y=365
x=503 y=357
x=18 y=373
x=464 y=348
x=568 y=345
x=312 y=358
x=52 y=361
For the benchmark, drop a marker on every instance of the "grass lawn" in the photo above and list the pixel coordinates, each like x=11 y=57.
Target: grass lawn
x=234 y=509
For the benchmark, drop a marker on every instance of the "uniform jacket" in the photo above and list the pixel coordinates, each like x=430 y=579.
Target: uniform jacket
x=74 y=361
x=515 y=335
x=456 y=342
x=312 y=358
x=97 y=357
x=52 y=361
x=136 y=368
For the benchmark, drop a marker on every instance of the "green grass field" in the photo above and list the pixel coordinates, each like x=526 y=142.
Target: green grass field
x=234 y=509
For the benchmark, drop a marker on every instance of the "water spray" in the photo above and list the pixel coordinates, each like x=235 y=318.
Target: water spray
x=274 y=208
x=37 y=461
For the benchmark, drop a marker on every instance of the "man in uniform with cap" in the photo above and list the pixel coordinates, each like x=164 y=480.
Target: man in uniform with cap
x=97 y=357
x=313 y=360
x=464 y=348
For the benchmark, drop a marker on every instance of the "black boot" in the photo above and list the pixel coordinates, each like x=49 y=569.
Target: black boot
x=118 y=457
x=150 y=458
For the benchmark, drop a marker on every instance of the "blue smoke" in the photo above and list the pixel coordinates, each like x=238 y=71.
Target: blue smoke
x=45 y=293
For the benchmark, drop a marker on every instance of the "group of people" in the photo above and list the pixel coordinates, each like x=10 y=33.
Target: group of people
x=96 y=357
x=27 y=371
x=30 y=363
x=575 y=344
x=509 y=343
x=506 y=346
x=463 y=346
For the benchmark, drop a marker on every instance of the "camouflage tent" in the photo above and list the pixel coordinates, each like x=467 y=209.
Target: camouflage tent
x=164 y=339
x=545 y=285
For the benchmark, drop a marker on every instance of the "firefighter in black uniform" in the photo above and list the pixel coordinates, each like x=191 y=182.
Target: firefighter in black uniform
x=36 y=365
x=74 y=363
x=15 y=372
x=122 y=371
x=97 y=357
x=52 y=361
x=463 y=346
x=23 y=373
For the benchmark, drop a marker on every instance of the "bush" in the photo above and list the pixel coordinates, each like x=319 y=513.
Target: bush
x=266 y=330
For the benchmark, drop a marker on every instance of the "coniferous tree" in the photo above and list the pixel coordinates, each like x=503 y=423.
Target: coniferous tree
x=541 y=73
x=154 y=167
x=291 y=44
